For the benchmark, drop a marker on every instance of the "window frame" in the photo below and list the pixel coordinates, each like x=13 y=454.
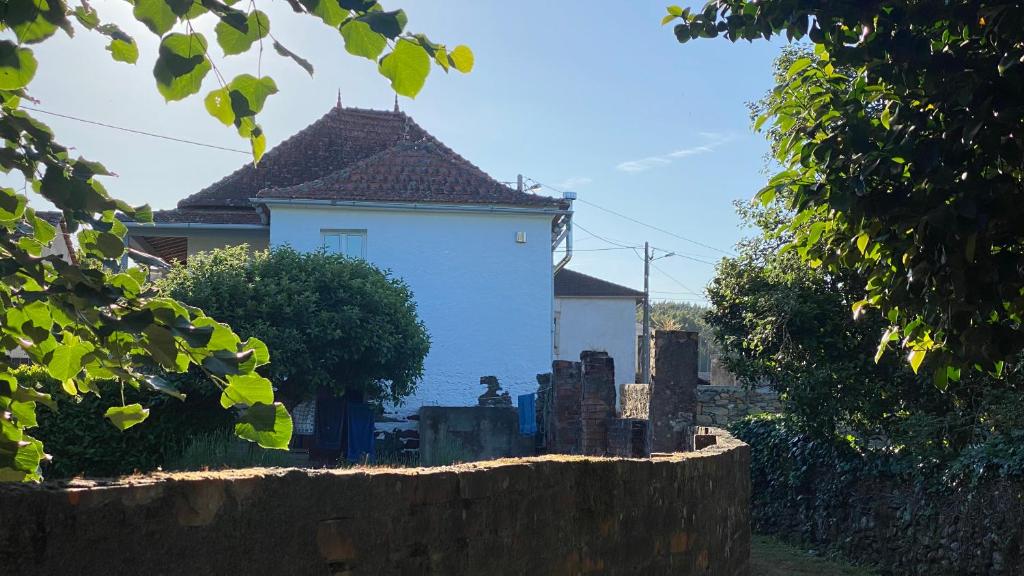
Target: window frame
x=343 y=233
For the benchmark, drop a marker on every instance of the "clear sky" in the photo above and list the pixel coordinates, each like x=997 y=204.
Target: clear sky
x=596 y=97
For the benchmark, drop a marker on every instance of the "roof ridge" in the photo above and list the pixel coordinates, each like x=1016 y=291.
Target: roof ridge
x=443 y=152
x=271 y=154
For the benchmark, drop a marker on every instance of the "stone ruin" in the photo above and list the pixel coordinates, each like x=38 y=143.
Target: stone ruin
x=494 y=396
x=577 y=404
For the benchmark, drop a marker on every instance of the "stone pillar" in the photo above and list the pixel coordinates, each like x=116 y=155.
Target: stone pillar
x=564 y=433
x=674 y=391
x=597 y=401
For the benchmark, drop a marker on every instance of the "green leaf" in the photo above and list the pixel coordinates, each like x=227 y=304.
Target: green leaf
x=156 y=15
x=235 y=41
x=797 y=66
x=248 y=94
x=181 y=65
x=361 y=40
x=87 y=17
x=327 y=10
x=124 y=50
x=941 y=378
x=915 y=357
x=258 y=143
x=260 y=350
x=885 y=117
x=389 y=24
x=280 y=49
x=461 y=58
x=407 y=66
x=222 y=337
x=248 y=389
x=33 y=20
x=862 y=241
x=269 y=426
x=163 y=347
x=218 y=104
x=17 y=66
x=66 y=361
x=163 y=386
x=124 y=417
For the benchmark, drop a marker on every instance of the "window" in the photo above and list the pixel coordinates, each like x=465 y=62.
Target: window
x=351 y=243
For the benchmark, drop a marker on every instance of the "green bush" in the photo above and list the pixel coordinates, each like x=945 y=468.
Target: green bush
x=330 y=322
x=82 y=444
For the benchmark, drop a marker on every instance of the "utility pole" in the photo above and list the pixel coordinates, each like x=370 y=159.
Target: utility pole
x=645 y=353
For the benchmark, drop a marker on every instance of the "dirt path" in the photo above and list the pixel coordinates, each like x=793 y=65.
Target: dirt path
x=769 y=557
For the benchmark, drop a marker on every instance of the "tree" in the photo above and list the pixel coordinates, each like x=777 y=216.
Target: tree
x=93 y=323
x=331 y=322
x=903 y=162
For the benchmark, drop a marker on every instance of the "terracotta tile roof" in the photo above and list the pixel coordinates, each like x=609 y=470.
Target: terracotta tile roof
x=337 y=140
x=569 y=283
x=423 y=171
x=207 y=216
x=357 y=154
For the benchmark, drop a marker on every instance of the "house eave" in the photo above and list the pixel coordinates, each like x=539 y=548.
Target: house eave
x=414 y=206
x=136 y=226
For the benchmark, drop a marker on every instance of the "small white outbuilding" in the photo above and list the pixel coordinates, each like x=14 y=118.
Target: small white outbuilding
x=594 y=314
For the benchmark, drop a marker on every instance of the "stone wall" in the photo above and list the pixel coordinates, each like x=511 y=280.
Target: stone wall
x=673 y=400
x=636 y=399
x=469 y=434
x=723 y=405
x=687 y=514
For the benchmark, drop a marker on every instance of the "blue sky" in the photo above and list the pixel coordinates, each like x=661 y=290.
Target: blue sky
x=596 y=97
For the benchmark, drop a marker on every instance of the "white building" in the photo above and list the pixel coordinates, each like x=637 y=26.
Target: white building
x=477 y=254
x=593 y=314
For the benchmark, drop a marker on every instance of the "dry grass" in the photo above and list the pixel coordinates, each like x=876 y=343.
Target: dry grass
x=769 y=557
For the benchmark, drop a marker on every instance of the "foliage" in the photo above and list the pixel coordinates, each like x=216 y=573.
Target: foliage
x=83 y=444
x=219 y=449
x=831 y=491
x=332 y=323
x=903 y=162
x=92 y=324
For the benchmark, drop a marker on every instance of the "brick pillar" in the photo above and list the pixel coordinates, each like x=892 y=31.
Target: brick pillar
x=564 y=433
x=673 y=401
x=598 y=401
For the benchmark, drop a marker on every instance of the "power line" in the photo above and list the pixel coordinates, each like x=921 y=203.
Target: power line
x=599 y=237
x=686 y=256
x=140 y=132
x=635 y=221
x=598 y=249
x=653 y=227
x=672 y=278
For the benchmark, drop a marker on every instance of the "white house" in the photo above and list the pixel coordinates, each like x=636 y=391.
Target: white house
x=594 y=314
x=477 y=254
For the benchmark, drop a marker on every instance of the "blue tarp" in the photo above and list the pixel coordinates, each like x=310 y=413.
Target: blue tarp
x=359 y=418
x=528 y=414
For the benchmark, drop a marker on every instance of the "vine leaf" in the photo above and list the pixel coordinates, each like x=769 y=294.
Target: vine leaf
x=280 y=49
x=181 y=65
x=235 y=40
x=17 y=66
x=124 y=417
x=270 y=426
x=407 y=66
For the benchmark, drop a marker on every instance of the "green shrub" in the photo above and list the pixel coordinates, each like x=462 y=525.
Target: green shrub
x=330 y=322
x=82 y=444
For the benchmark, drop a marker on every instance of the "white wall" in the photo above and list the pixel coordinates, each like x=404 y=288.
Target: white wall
x=485 y=299
x=600 y=324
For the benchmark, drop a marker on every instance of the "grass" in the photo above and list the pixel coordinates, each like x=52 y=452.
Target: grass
x=769 y=557
x=222 y=450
